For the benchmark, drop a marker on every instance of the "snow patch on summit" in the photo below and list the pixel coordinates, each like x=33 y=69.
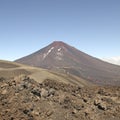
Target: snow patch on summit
x=59 y=54
x=59 y=49
x=46 y=54
x=50 y=50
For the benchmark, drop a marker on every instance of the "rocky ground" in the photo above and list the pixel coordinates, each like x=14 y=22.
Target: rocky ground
x=22 y=98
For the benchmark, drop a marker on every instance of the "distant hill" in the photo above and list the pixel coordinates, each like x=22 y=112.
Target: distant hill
x=12 y=70
x=61 y=57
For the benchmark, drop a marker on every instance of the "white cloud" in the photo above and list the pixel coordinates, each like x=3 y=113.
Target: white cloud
x=113 y=60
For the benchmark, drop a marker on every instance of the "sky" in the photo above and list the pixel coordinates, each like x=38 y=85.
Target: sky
x=92 y=26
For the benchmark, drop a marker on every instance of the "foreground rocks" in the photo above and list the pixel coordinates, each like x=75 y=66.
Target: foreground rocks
x=22 y=98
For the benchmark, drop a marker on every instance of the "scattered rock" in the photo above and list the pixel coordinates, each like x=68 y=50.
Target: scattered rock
x=25 y=111
x=44 y=93
x=51 y=91
x=35 y=113
x=4 y=92
x=4 y=85
x=49 y=113
x=36 y=92
x=74 y=111
x=23 y=98
x=102 y=106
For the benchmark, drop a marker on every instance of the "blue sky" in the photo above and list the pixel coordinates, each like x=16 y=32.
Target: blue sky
x=92 y=26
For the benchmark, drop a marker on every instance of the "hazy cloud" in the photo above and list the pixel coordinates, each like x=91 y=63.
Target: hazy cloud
x=113 y=60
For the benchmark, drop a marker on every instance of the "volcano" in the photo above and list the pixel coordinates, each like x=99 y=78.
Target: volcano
x=61 y=57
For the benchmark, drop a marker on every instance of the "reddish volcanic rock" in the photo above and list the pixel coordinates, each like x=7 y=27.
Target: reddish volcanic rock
x=58 y=43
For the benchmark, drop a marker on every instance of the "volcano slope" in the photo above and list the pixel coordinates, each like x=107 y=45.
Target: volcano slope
x=64 y=58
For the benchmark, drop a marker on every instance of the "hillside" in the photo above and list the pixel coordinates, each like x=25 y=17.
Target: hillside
x=11 y=69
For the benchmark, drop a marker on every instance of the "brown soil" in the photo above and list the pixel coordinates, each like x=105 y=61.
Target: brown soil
x=11 y=73
x=6 y=64
x=22 y=98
